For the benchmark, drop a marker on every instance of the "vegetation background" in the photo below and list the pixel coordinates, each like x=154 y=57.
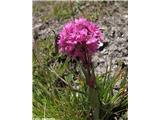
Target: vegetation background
x=58 y=87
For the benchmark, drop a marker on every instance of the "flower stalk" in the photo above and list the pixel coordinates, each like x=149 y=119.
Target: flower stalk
x=93 y=95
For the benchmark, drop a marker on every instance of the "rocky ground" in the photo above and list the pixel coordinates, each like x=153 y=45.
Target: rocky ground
x=111 y=16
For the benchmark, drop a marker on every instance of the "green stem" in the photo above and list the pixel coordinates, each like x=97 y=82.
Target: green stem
x=94 y=102
x=92 y=92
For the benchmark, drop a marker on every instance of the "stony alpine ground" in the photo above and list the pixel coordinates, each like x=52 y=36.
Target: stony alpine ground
x=111 y=16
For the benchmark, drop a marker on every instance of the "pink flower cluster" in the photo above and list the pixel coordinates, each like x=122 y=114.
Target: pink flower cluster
x=80 y=37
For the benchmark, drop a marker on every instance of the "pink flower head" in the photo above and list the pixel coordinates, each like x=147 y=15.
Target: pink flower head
x=79 y=38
